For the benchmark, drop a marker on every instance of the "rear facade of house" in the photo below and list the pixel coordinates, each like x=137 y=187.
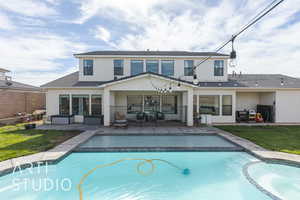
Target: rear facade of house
x=131 y=82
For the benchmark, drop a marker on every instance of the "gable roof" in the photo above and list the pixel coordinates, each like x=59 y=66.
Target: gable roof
x=18 y=86
x=149 y=53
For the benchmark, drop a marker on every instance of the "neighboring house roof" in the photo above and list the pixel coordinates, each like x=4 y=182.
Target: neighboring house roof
x=149 y=53
x=239 y=81
x=17 y=86
x=3 y=70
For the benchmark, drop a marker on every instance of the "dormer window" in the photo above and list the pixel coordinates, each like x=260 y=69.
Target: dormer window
x=88 y=67
x=219 y=68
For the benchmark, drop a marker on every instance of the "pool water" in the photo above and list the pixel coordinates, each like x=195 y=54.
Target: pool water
x=157 y=141
x=214 y=176
x=281 y=180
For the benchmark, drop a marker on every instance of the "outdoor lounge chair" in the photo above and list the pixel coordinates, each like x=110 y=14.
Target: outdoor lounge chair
x=120 y=120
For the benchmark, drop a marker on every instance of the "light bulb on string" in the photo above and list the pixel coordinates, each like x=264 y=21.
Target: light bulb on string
x=232 y=58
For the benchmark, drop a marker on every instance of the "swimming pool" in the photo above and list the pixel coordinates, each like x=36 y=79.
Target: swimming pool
x=214 y=176
x=151 y=142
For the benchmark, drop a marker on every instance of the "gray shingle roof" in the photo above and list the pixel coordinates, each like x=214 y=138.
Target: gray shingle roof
x=266 y=80
x=3 y=70
x=242 y=81
x=18 y=86
x=150 y=53
x=71 y=80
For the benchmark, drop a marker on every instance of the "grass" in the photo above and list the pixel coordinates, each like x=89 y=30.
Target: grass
x=15 y=141
x=276 y=138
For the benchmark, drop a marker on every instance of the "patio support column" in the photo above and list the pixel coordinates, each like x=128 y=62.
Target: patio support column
x=190 y=105
x=70 y=105
x=90 y=104
x=106 y=106
x=197 y=103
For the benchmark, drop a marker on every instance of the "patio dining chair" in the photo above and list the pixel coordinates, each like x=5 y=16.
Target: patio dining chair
x=159 y=117
x=140 y=118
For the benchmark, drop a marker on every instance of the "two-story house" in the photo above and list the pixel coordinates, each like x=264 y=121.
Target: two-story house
x=131 y=82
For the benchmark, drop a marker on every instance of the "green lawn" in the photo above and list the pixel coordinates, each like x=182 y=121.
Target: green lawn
x=276 y=138
x=16 y=142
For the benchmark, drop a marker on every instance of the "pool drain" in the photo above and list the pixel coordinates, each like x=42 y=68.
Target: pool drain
x=142 y=162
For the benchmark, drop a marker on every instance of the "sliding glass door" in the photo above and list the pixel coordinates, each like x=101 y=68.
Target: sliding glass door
x=80 y=104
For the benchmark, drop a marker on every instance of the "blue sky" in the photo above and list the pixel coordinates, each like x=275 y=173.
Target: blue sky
x=38 y=38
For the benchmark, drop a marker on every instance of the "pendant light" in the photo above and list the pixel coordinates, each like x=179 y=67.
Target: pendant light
x=232 y=60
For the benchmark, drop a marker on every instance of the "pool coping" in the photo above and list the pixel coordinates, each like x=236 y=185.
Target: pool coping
x=260 y=152
x=51 y=156
x=234 y=148
x=255 y=183
x=59 y=152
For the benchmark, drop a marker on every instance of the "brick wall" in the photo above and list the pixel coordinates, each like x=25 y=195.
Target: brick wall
x=12 y=102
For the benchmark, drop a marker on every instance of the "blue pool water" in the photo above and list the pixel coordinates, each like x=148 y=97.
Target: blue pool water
x=213 y=176
x=157 y=141
x=281 y=180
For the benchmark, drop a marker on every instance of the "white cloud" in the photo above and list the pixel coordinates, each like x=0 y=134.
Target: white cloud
x=102 y=34
x=5 y=22
x=37 y=78
x=194 y=25
x=28 y=7
x=38 y=52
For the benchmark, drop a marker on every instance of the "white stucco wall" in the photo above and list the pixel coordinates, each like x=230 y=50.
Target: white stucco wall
x=288 y=106
x=220 y=118
x=52 y=98
x=247 y=100
x=104 y=71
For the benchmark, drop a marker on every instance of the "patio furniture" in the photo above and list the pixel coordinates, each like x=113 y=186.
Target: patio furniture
x=197 y=118
x=120 y=120
x=159 y=117
x=30 y=126
x=93 y=119
x=62 y=119
x=140 y=117
x=242 y=116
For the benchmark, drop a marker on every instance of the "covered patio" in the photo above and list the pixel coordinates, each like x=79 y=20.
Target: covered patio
x=136 y=100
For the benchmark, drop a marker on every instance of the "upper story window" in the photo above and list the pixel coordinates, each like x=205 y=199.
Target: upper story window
x=219 y=67
x=167 y=67
x=137 y=67
x=119 y=67
x=152 y=66
x=188 y=67
x=88 y=67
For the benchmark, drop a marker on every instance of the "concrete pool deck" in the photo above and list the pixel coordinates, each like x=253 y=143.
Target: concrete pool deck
x=62 y=150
